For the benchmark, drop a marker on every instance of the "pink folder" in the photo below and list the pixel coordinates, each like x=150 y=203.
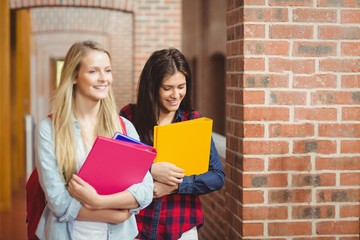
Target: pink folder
x=112 y=165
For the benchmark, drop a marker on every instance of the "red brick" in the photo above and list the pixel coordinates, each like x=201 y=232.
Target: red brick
x=337 y=4
x=291 y=130
x=305 y=66
x=339 y=130
x=232 y=203
x=254 y=30
x=305 y=3
x=314 y=49
x=266 y=114
x=253 y=164
x=314 y=180
x=235 y=48
x=340 y=64
x=289 y=228
x=237 y=129
x=277 y=31
x=232 y=160
x=263 y=213
x=291 y=163
x=233 y=81
x=289 y=196
x=265 y=147
x=313 y=212
x=230 y=33
x=350 y=179
x=234 y=143
x=254 y=64
x=236 y=112
x=235 y=176
x=288 y=98
x=337 y=227
x=339 y=33
x=314 y=15
x=350 y=81
x=350 y=16
x=275 y=48
x=350 y=113
x=239 y=97
x=350 y=146
x=315 y=81
x=337 y=195
x=234 y=63
x=252 y=2
x=350 y=49
x=230 y=96
x=264 y=180
x=253 y=196
x=318 y=146
x=254 y=97
x=253 y=130
x=233 y=17
x=266 y=80
x=238 y=64
x=337 y=163
x=349 y=211
x=252 y=229
x=320 y=114
x=265 y=15
x=332 y=97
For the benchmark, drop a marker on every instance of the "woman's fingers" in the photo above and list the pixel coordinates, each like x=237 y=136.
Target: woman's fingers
x=176 y=169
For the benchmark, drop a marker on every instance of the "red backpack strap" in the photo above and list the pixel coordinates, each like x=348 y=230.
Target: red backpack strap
x=122 y=123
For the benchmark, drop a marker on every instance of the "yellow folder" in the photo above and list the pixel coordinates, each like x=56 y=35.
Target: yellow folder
x=185 y=144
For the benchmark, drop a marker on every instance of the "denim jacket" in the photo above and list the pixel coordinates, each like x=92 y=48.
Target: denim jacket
x=62 y=209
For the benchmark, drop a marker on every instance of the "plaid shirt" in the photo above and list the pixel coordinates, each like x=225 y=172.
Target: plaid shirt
x=170 y=216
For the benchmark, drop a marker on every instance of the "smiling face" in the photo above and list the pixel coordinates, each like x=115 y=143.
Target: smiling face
x=94 y=78
x=172 y=91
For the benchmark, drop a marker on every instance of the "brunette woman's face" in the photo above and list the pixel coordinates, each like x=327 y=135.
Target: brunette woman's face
x=95 y=77
x=172 y=91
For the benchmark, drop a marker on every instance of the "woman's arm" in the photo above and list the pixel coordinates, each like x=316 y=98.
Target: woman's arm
x=114 y=216
x=207 y=182
x=136 y=197
x=86 y=194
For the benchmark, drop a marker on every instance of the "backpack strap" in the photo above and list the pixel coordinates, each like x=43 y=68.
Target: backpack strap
x=123 y=126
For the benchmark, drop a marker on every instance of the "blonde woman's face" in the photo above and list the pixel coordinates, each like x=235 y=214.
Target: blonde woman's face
x=95 y=77
x=172 y=91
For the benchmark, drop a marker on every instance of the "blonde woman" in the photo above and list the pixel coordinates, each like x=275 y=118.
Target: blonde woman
x=83 y=108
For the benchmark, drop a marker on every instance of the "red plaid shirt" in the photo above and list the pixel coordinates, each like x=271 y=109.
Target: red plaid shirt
x=170 y=216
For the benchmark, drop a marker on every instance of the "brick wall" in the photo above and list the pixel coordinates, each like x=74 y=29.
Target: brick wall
x=293 y=120
x=213 y=206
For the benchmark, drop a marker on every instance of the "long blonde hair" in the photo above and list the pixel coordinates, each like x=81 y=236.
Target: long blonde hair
x=63 y=111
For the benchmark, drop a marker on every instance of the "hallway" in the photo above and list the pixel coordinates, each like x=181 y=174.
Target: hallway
x=12 y=223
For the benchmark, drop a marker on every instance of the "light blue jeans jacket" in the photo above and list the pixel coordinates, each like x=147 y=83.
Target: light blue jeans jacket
x=61 y=210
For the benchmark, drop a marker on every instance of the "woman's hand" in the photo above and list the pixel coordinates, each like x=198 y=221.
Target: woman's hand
x=84 y=192
x=167 y=173
x=161 y=189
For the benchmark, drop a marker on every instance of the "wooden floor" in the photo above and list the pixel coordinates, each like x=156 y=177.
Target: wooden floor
x=12 y=223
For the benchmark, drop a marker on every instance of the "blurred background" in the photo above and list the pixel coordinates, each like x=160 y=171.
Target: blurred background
x=280 y=79
x=38 y=35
